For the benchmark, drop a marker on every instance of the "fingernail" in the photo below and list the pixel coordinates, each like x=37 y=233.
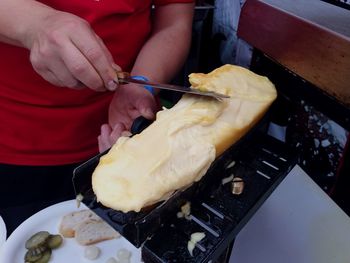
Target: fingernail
x=126 y=134
x=112 y=86
x=148 y=113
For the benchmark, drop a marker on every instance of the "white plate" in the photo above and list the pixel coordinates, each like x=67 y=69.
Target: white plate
x=2 y=232
x=48 y=220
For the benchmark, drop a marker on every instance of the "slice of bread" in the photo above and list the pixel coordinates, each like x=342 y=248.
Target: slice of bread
x=92 y=231
x=70 y=222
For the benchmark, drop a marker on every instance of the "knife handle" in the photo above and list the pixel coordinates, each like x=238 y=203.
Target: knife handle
x=122 y=75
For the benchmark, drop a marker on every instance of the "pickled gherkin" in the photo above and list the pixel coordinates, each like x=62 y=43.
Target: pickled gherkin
x=40 y=247
x=37 y=240
x=32 y=256
x=54 y=241
x=45 y=257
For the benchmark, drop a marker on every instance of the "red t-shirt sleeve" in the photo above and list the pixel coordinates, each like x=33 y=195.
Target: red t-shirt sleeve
x=165 y=2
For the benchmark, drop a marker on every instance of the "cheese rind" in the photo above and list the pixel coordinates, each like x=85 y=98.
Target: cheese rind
x=179 y=147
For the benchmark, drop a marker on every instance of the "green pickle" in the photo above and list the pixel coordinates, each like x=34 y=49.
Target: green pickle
x=45 y=257
x=54 y=241
x=40 y=247
x=37 y=240
x=37 y=250
x=32 y=257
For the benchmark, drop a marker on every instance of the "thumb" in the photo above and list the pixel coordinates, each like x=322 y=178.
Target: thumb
x=148 y=113
x=147 y=107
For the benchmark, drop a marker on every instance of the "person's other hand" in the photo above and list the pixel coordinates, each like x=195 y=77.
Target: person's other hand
x=129 y=102
x=66 y=52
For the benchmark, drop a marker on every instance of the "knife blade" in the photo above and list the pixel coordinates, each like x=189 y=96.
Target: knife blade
x=125 y=78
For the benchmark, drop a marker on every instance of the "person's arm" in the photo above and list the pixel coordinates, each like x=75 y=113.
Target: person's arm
x=167 y=48
x=18 y=18
x=64 y=50
x=160 y=59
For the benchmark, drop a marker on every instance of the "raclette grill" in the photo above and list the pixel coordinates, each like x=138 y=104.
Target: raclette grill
x=306 y=59
x=260 y=160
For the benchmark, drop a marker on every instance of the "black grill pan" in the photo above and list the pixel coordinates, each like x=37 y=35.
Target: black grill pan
x=137 y=227
x=262 y=164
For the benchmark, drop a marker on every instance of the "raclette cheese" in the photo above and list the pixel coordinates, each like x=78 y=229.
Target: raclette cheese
x=179 y=146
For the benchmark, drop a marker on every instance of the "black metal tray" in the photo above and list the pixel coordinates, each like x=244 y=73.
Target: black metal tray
x=138 y=227
x=262 y=163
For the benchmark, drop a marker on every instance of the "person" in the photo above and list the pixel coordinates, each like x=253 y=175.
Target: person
x=59 y=99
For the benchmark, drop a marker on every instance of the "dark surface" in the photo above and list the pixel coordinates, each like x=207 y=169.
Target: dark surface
x=341 y=3
x=26 y=190
x=340 y=193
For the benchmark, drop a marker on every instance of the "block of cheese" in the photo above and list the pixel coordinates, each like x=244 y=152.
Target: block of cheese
x=179 y=146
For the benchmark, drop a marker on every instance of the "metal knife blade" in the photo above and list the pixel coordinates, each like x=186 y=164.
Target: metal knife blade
x=128 y=79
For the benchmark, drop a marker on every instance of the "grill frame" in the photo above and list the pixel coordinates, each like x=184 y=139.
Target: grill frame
x=150 y=228
x=138 y=227
x=238 y=209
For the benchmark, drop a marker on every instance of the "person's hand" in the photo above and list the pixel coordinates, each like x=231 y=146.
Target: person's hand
x=66 y=52
x=129 y=102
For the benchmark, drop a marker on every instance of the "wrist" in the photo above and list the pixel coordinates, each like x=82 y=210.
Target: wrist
x=149 y=88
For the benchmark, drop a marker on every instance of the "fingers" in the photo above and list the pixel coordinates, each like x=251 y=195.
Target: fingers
x=126 y=134
x=49 y=76
x=57 y=73
x=99 y=58
x=116 y=67
x=147 y=113
x=117 y=131
x=109 y=136
x=81 y=68
x=106 y=51
x=140 y=109
x=70 y=69
x=147 y=107
x=67 y=52
x=103 y=138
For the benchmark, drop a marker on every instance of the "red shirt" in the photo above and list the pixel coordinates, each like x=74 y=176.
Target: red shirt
x=41 y=124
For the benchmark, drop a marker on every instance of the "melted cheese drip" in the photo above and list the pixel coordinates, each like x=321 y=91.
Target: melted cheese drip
x=178 y=148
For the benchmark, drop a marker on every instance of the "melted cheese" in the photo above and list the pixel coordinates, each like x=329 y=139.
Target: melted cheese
x=178 y=148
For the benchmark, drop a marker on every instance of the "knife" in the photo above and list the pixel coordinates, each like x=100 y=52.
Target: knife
x=125 y=78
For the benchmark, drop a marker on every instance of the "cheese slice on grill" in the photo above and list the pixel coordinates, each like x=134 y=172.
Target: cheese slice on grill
x=178 y=148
